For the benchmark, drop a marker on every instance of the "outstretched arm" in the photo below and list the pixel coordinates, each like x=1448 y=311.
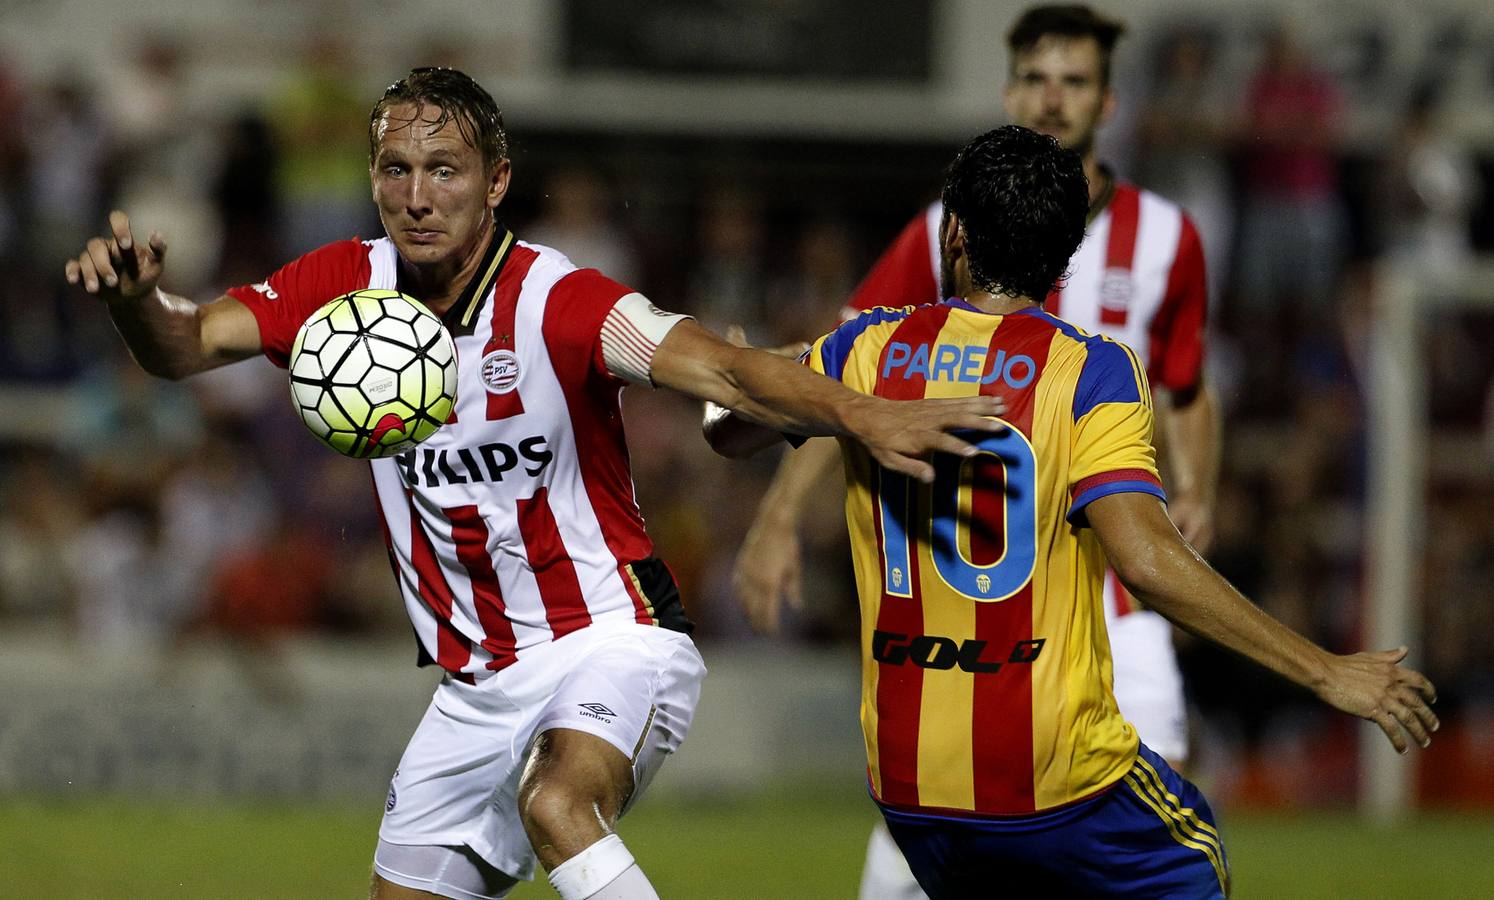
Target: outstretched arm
x=169 y=336
x=1190 y=426
x=780 y=395
x=1156 y=565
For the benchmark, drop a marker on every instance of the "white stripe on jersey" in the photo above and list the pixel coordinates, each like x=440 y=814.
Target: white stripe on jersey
x=533 y=453
x=1159 y=226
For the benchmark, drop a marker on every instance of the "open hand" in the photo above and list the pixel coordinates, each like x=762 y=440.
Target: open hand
x=901 y=435
x=767 y=572
x=1374 y=686
x=115 y=267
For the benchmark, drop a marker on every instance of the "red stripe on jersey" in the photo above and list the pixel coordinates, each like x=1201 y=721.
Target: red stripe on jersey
x=285 y=300
x=1001 y=717
x=453 y=650
x=1176 y=346
x=987 y=510
x=903 y=275
x=505 y=302
x=574 y=312
x=900 y=687
x=470 y=535
x=1110 y=478
x=1120 y=255
x=555 y=574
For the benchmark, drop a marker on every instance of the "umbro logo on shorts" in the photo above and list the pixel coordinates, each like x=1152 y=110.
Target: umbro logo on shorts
x=597 y=711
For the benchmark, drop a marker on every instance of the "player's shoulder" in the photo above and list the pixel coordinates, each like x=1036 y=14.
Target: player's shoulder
x=1095 y=356
x=1159 y=210
x=554 y=267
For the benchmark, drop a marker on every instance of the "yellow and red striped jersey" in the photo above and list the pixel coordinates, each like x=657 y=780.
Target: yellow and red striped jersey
x=986 y=685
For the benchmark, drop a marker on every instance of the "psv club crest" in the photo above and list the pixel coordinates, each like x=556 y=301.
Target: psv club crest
x=500 y=371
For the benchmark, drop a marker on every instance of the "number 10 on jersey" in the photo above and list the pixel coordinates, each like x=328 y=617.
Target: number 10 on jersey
x=949 y=525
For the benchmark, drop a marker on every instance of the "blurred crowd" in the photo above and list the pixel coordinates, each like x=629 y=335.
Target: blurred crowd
x=137 y=514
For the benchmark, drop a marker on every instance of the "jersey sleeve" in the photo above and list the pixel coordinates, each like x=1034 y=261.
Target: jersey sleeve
x=632 y=330
x=1177 y=331
x=282 y=302
x=905 y=274
x=828 y=354
x=575 y=314
x=1112 y=449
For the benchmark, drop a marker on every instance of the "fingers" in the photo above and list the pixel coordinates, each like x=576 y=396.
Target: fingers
x=1419 y=683
x=908 y=465
x=736 y=335
x=97 y=252
x=1412 y=723
x=1418 y=707
x=157 y=245
x=1387 y=724
x=122 y=247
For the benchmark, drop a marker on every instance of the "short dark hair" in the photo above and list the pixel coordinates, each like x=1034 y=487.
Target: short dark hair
x=1022 y=201
x=459 y=98
x=1067 y=20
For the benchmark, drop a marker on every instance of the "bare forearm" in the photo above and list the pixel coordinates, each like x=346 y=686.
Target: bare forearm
x=1175 y=582
x=1191 y=433
x=162 y=331
x=799 y=475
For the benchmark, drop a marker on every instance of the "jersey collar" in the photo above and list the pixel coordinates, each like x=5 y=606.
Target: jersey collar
x=461 y=318
x=1106 y=195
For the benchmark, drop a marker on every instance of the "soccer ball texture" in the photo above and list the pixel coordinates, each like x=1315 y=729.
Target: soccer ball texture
x=373 y=373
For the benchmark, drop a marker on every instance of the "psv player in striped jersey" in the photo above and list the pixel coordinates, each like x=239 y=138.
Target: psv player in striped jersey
x=519 y=550
x=1138 y=277
x=995 y=748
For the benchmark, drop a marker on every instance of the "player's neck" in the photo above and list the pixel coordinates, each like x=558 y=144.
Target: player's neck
x=440 y=284
x=1101 y=182
x=997 y=304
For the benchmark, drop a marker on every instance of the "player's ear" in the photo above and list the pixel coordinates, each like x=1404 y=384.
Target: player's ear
x=952 y=236
x=498 y=183
x=1107 y=105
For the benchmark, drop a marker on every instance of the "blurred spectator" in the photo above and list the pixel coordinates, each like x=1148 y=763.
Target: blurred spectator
x=1292 y=225
x=1430 y=188
x=575 y=217
x=1181 y=143
x=727 y=280
x=41 y=504
x=69 y=146
x=321 y=124
x=164 y=157
x=821 y=276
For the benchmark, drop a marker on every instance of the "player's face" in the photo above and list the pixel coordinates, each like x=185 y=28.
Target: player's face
x=1056 y=88
x=435 y=195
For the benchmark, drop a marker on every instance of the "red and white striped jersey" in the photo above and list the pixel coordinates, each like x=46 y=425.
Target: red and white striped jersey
x=1138 y=277
x=516 y=523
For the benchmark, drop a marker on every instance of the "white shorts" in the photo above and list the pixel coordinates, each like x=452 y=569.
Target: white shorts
x=1148 y=684
x=634 y=686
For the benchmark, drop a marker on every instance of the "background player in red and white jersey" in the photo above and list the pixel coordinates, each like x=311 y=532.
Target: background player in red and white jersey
x=519 y=550
x=1138 y=277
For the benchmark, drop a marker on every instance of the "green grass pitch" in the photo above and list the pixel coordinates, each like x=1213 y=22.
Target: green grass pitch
x=783 y=843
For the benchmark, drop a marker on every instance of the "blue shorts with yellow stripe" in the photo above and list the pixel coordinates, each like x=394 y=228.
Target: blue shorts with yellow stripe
x=1151 y=834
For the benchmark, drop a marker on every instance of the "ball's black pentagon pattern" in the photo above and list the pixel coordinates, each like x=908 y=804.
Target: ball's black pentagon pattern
x=366 y=357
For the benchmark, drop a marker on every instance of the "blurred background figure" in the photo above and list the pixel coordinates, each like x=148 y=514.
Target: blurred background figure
x=1183 y=139
x=1292 y=237
x=1430 y=188
x=576 y=214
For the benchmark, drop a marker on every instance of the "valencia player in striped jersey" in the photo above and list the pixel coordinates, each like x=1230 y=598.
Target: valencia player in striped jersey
x=1138 y=277
x=995 y=748
x=519 y=550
